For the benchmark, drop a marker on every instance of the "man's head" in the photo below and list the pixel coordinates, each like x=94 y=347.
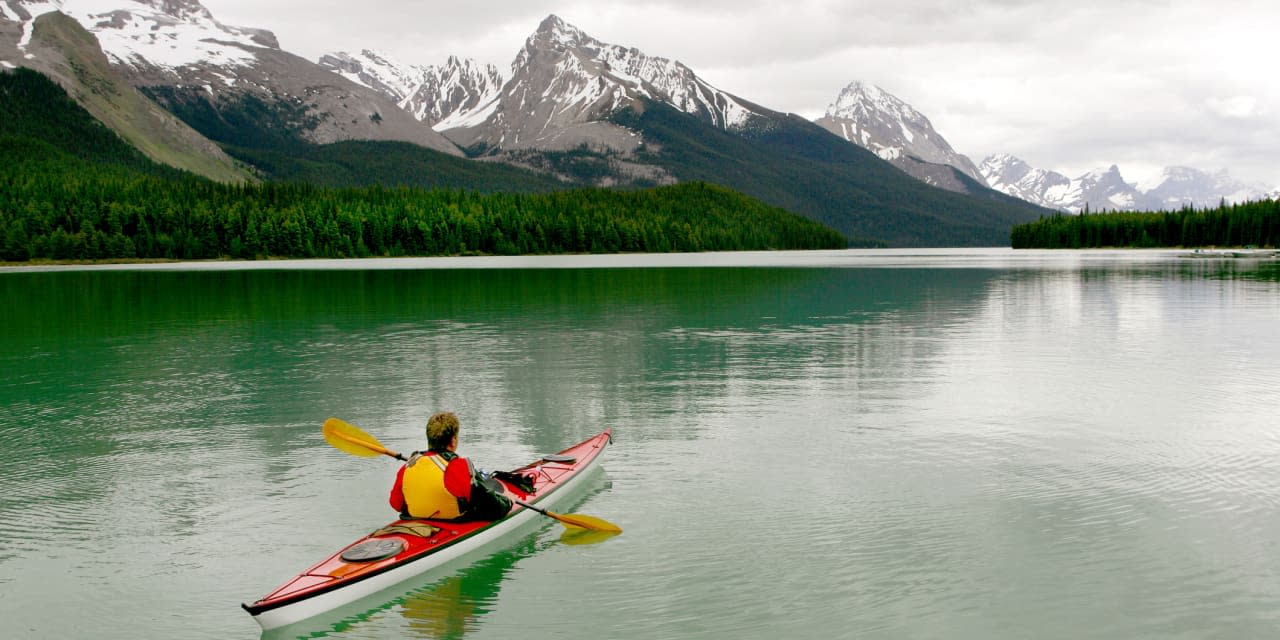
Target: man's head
x=442 y=428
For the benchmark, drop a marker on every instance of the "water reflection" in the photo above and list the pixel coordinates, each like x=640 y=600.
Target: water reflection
x=452 y=607
x=513 y=351
x=445 y=609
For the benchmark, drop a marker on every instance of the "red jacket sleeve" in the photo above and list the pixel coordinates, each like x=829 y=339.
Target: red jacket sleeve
x=397 y=492
x=458 y=478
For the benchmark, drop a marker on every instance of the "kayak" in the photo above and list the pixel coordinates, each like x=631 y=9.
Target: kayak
x=407 y=548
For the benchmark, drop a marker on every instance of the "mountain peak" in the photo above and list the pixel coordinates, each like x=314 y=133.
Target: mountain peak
x=862 y=99
x=553 y=23
x=1004 y=160
x=565 y=85
x=555 y=31
x=860 y=88
x=879 y=121
x=1111 y=173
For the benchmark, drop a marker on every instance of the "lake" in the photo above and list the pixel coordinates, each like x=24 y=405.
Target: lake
x=875 y=444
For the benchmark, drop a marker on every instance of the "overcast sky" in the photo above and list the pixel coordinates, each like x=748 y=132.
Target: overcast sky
x=1068 y=86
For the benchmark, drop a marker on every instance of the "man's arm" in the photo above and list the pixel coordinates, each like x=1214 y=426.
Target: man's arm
x=396 y=499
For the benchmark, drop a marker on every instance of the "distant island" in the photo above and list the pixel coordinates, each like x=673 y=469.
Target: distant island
x=1254 y=224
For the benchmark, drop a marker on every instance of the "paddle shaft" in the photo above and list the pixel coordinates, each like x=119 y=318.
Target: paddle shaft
x=538 y=509
x=370 y=446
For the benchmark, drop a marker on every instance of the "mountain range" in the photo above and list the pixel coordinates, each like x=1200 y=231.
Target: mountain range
x=462 y=97
x=1107 y=190
x=885 y=124
x=573 y=110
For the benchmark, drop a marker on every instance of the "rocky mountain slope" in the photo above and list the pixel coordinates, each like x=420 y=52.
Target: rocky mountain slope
x=871 y=117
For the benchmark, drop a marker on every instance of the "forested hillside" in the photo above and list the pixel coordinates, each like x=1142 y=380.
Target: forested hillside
x=1237 y=225
x=70 y=190
x=36 y=111
x=801 y=167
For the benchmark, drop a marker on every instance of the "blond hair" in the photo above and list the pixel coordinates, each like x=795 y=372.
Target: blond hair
x=442 y=428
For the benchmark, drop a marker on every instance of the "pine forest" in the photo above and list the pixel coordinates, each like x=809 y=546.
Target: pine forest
x=1229 y=225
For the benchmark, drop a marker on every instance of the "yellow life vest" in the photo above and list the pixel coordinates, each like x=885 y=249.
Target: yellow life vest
x=424 y=492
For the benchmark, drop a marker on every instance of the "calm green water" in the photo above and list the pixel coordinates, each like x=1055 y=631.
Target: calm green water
x=976 y=444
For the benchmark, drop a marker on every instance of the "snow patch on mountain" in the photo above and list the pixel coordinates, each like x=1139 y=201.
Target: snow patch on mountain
x=162 y=33
x=375 y=70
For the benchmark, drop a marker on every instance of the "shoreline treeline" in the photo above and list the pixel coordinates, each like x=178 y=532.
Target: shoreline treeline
x=87 y=216
x=1228 y=225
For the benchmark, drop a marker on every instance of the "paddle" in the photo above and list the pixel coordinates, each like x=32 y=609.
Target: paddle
x=348 y=438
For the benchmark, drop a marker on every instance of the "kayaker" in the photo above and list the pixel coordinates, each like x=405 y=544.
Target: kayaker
x=441 y=485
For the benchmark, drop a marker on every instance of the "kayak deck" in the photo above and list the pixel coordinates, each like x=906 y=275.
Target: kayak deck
x=335 y=581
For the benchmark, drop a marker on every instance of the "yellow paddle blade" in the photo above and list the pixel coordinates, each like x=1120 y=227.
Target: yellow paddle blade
x=576 y=536
x=349 y=438
x=585 y=522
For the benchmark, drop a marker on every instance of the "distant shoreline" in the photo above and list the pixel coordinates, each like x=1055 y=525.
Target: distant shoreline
x=954 y=257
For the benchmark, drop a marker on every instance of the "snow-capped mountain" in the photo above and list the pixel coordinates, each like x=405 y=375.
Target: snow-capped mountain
x=430 y=92
x=1015 y=177
x=1107 y=190
x=564 y=84
x=1180 y=186
x=881 y=122
x=179 y=47
x=1099 y=190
